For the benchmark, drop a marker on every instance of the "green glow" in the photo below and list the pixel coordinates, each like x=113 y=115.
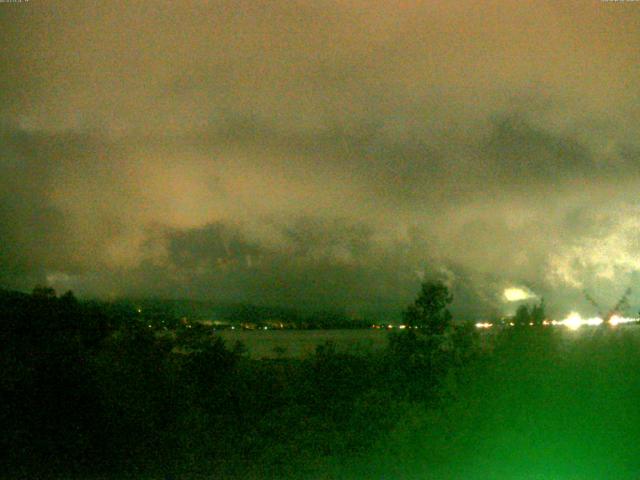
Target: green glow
x=552 y=403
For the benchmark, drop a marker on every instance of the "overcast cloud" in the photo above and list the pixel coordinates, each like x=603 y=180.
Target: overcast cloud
x=322 y=154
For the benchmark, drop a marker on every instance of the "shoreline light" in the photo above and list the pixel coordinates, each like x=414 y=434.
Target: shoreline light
x=617 y=320
x=484 y=325
x=574 y=321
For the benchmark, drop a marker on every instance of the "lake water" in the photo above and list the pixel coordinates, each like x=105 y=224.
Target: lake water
x=300 y=343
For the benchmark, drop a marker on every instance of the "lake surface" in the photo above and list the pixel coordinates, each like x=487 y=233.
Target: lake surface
x=300 y=343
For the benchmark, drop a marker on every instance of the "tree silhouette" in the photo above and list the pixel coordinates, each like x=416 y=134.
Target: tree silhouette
x=523 y=316
x=43 y=292
x=538 y=313
x=526 y=314
x=429 y=311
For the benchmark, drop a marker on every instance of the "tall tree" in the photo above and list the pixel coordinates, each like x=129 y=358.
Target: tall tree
x=523 y=315
x=429 y=310
x=538 y=313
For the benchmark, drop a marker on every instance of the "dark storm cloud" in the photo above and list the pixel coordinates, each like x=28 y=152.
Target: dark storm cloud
x=60 y=205
x=325 y=153
x=34 y=233
x=542 y=157
x=399 y=168
x=317 y=264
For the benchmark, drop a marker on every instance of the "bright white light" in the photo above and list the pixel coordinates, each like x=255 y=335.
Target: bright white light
x=515 y=294
x=573 y=321
x=617 y=320
x=593 y=322
x=484 y=325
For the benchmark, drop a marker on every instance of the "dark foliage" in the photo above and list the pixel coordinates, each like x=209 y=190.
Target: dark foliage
x=429 y=311
x=93 y=388
x=530 y=314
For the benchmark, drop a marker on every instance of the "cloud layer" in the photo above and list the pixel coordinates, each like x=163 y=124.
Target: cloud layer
x=321 y=154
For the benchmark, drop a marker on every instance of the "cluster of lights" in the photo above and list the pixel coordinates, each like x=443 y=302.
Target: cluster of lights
x=390 y=327
x=617 y=320
x=574 y=321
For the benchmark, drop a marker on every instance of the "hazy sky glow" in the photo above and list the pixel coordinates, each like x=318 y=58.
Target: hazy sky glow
x=322 y=153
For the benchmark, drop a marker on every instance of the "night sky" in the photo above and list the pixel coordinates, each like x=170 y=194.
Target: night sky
x=322 y=154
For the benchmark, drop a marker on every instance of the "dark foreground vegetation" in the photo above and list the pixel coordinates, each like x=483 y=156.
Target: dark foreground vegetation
x=90 y=391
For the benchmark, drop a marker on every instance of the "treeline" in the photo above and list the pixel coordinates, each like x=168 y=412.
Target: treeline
x=89 y=389
x=533 y=314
